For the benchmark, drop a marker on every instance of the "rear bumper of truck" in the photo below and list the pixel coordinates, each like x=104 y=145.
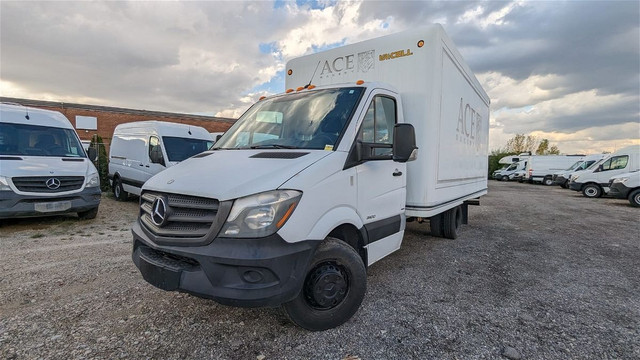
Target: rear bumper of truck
x=14 y=205
x=237 y=272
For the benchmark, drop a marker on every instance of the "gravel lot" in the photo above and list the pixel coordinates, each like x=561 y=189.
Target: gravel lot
x=539 y=273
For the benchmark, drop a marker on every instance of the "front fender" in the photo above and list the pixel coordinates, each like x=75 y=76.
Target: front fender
x=325 y=224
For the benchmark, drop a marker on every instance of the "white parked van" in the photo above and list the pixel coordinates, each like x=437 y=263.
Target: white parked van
x=594 y=182
x=562 y=177
x=626 y=186
x=309 y=188
x=540 y=168
x=142 y=149
x=510 y=172
x=44 y=169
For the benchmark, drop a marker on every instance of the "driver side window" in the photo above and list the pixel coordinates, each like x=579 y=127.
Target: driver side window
x=153 y=141
x=378 y=124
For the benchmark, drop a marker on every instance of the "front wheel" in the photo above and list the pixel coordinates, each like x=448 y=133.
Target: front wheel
x=634 y=198
x=592 y=191
x=505 y=178
x=333 y=289
x=118 y=191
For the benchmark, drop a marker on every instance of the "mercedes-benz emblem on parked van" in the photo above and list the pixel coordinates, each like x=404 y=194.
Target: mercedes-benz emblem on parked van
x=53 y=183
x=159 y=212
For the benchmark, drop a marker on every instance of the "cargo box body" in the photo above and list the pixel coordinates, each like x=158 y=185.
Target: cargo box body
x=441 y=98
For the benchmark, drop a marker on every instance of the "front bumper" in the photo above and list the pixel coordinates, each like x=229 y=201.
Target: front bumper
x=236 y=272
x=14 y=205
x=619 y=191
x=559 y=180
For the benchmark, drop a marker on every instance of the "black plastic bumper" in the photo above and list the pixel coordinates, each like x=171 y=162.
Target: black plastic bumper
x=13 y=205
x=576 y=186
x=619 y=191
x=559 y=180
x=236 y=272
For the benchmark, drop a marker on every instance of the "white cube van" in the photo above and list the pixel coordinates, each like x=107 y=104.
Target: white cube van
x=44 y=170
x=142 y=149
x=594 y=182
x=310 y=187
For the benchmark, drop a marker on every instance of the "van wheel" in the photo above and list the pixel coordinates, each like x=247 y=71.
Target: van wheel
x=547 y=181
x=565 y=184
x=89 y=214
x=452 y=220
x=592 y=191
x=436 y=225
x=505 y=178
x=118 y=191
x=634 y=198
x=333 y=289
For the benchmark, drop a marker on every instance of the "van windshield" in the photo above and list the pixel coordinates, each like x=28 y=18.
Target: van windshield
x=575 y=166
x=305 y=120
x=32 y=140
x=179 y=149
x=595 y=164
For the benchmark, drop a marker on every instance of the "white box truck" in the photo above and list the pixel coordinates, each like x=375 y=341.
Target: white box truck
x=540 y=168
x=44 y=170
x=141 y=149
x=594 y=182
x=310 y=187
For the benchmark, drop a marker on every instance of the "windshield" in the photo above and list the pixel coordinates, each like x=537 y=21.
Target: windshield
x=512 y=167
x=179 y=149
x=595 y=164
x=575 y=166
x=585 y=165
x=307 y=120
x=32 y=140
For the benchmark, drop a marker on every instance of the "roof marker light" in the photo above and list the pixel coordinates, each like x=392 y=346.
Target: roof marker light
x=289 y=90
x=420 y=43
x=289 y=72
x=300 y=88
x=262 y=98
x=311 y=87
x=359 y=82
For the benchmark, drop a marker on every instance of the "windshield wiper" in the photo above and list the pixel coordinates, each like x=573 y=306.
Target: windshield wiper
x=273 y=146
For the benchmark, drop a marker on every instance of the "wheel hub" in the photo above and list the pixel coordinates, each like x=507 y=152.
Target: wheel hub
x=326 y=286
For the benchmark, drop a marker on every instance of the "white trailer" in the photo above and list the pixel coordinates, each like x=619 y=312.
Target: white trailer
x=310 y=187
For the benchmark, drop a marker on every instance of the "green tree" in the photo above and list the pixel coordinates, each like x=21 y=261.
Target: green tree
x=543 y=147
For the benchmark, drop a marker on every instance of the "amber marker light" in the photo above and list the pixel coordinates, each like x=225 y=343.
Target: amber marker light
x=262 y=98
x=289 y=90
x=359 y=82
x=289 y=72
x=420 y=44
x=286 y=215
x=311 y=87
x=300 y=88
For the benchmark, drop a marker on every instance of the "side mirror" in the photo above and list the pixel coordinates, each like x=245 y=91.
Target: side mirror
x=156 y=155
x=218 y=137
x=600 y=168
x=92 y=153
x=404 y=143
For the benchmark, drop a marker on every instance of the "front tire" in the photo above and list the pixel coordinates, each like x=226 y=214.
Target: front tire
x=505 y=178
x=89 y=214
x=592 y=191
x=634 y=198
x=118 y=191
x=333 y=289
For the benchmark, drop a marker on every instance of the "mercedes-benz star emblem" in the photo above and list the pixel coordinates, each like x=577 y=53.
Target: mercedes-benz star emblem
x=159 y=212
x=53 y=183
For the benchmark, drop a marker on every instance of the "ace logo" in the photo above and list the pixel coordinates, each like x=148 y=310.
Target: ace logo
x=469 y=123
x=347 y=64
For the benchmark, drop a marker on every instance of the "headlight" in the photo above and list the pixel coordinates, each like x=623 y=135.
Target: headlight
x=260 y=215
x=93 y=180
x=621 y=180
x=574 y=177
x=4 y=184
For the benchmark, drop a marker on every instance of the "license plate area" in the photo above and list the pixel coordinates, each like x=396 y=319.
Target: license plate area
x=53 y=206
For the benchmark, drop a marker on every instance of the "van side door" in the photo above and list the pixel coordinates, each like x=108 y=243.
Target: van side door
x=381 y=183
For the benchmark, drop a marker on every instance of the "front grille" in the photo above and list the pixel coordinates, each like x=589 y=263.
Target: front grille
x=187 y=216
x=39 y=183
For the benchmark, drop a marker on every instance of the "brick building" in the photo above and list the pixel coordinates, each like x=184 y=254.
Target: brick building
x=102 y=120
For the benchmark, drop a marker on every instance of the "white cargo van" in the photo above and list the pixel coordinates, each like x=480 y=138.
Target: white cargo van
x=626 y=186
x=509 y=173
x=540 y=168
x=562 y=177
x=44 y=169
x=594 y=182
x=142 y=149
x=309 y=188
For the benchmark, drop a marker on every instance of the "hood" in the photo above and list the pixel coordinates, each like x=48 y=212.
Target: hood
x=230 y=174
x=43 y=166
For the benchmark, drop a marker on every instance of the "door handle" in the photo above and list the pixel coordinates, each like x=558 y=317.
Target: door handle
x=141 y=164
x=397 y=173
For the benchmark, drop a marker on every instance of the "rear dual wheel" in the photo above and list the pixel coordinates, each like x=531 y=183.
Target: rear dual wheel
x=447 y=224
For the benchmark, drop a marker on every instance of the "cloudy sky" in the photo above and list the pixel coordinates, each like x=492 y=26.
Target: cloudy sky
x=566 y=71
